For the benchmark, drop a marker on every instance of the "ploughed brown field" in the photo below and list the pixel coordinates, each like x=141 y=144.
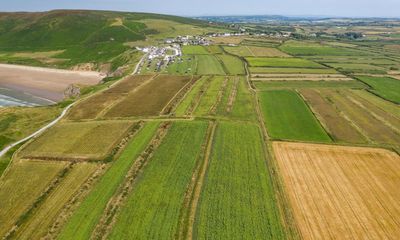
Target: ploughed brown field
x=43 y=82
x=341 y=192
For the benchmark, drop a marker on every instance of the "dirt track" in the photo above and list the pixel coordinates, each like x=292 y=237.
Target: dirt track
x=43 y=82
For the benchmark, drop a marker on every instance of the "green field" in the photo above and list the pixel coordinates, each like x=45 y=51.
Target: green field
x=293 y=70
x=208 y=65
x=243 y=106
x=232 y=64
x=194 y=50
x=190 y=98
x=186 y=66
x=288 y=117
x=304 y=48
x=386 y=87
x=210 y=97
x=282 y=62
x=266 y=85
x=237 y=201
x=153 y=209
x=82 y=222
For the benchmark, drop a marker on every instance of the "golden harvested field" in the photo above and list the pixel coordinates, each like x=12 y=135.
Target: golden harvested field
x=150 y=99
x=77 y=141
x=341 y=192
x=299 y=77
x=95 y=105
x=22 y=184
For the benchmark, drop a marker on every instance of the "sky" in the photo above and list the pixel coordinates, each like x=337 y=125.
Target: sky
x=340 y=8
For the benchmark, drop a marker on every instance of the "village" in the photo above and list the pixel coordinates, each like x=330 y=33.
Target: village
x=160 y=57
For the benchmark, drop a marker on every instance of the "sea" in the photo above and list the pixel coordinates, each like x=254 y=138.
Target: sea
x=14 y=98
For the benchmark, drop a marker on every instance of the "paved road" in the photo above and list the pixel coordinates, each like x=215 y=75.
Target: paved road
x=6 y=149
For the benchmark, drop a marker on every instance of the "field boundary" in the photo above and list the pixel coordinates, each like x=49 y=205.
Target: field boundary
x=287 y=217
x=108 y=219
x=41 y=198
x=192 y=196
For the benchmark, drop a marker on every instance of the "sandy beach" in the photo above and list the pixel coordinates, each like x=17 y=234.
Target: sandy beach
x=44 y=82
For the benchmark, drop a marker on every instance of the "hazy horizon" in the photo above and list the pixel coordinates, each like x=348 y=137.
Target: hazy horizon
x=325 y=8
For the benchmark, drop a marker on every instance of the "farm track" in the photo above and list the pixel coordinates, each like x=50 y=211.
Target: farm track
x=105 y=224
x=194 y=190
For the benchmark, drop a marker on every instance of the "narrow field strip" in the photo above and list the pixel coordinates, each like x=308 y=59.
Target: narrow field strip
x=301 y=84
x=339 y=128
x=243 y=107
x=21 y=185
x=210 y=96
x=183 y=107
x=372 y=127
x=341 y=192
x=232 y=95
x=237 y=200
x=39 y=223
x=84 y=219
x=188 y=213
x=384 y=117
x=221 y=108
x=152 y=210
x=222 y=90
x=387 y=106
x=108 y=218
x=172 y=104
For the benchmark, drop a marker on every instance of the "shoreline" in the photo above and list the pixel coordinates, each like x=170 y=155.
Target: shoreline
x=52 y=70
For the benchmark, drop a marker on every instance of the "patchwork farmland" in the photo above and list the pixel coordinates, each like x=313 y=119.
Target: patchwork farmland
x=237 y=137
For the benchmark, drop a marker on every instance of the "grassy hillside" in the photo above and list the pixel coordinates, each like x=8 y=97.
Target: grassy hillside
x=71 y=37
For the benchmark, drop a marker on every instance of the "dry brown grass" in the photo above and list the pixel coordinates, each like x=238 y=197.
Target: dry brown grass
x=337 y=125
x=150 y=99
x=95 y=105
x=341 y=192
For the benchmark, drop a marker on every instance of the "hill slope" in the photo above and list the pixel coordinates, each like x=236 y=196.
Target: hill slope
x=80 y=36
